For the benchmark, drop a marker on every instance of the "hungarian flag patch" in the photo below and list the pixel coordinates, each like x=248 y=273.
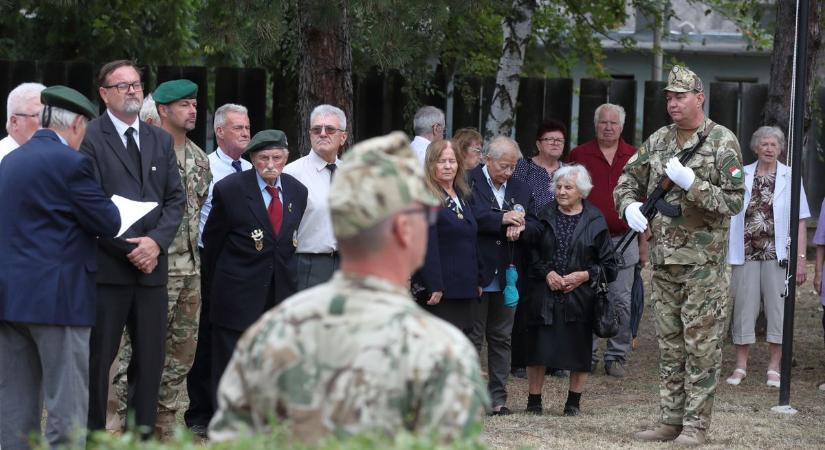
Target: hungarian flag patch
x=735 y=172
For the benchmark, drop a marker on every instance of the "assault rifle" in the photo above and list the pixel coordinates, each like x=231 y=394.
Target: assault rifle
x=656 y=200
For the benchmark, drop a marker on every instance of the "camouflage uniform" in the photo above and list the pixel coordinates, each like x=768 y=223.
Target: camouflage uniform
x=184 y=297
x=355 y=354
x=688 y=253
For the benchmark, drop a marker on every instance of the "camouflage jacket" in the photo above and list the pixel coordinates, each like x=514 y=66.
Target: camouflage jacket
x=700 y=234
x=195 y=176
x=352 y=355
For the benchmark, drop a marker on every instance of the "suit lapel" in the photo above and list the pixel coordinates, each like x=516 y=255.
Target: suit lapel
x=255 y=201
x=288 y=207
x=116 y=144
x=146 y=149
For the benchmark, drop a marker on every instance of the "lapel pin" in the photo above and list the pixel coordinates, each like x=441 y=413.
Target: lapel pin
x=289 y=207
x=294 y=237
x=154 y=168
x=257 y=235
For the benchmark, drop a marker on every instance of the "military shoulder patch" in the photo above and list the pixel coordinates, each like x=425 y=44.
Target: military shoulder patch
x=733 y=169
x=638 y=158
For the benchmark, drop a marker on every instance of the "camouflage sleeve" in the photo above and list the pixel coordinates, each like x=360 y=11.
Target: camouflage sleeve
x=728 y=195
x=233 y=417
x=454 y=396
x=632 y=185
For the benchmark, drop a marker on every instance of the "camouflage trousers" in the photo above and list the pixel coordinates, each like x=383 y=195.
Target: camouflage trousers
x=181 y=342
x=691 y=307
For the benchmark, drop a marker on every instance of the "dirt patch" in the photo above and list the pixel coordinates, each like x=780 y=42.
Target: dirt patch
x=612 y=410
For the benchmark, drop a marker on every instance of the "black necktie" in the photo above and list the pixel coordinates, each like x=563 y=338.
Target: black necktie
x=133 y=150
x=236 y=165
x=331 y=167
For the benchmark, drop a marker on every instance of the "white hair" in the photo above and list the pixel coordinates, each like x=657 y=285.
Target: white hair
x=609 y=107
x=501 y=145
x=220 y=113
x=60 y=118
x=329 y=110
x=579 y=174
x=425 y=118
x=768 y=132
x=149 y=110
x=20 y=96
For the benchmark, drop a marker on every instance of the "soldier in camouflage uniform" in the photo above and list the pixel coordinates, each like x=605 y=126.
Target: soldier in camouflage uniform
x=690 y=284
x=177 y=108
x=356 y=354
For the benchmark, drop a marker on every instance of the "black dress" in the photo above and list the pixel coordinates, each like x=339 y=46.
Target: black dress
x=560 y=328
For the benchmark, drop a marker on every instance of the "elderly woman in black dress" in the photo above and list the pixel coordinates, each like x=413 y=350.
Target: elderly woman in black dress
x=571 y=254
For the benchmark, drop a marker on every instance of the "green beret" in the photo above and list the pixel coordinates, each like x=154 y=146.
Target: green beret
x=264 y=140
x=69 y=99
x=171 y=91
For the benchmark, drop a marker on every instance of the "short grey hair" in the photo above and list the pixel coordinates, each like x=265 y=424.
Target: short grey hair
x=19 y=96
x=609 y=107
x=768 y=132
x=425 y=118
x=583 y=181
x=220 y=113
x=60 y=118
x=329 y=110
x=149 y=110
x=501 y=145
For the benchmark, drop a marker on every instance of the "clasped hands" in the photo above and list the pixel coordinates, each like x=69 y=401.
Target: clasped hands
x=145 y=255
x=568 y=282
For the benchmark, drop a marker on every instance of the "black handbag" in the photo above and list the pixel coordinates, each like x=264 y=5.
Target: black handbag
x=605 y=315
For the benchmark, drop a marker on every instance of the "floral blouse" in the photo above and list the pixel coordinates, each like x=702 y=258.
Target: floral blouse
x=760 y=244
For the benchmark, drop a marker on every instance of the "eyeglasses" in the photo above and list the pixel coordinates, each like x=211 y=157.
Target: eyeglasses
x=328 y=129
x=26 y=115
x=552 y=141
x=124 y=87
x=430 y=213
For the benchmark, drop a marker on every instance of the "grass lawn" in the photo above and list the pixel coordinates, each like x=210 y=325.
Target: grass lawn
x=612 y=410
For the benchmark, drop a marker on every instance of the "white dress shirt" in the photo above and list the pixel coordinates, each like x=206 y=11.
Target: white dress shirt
x=220 y=164
x=122 y=126
x=7 y=144
x=419 y=147
x=315 y=232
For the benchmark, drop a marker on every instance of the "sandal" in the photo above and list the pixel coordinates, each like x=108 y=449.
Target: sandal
x=773 y=383
x=734 y=380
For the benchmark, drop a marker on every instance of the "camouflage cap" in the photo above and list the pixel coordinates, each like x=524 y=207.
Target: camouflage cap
x=682 y=79
x=376 y=178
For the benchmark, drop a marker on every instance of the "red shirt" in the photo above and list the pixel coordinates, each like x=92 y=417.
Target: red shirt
x=605 y=178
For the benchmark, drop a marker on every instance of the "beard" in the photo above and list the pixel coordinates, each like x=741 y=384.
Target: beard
x=131 y=105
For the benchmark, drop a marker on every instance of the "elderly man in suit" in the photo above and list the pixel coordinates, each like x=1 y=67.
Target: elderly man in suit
x=53 y=211
x=136 y=161
x=249 y=244
x=495 y=200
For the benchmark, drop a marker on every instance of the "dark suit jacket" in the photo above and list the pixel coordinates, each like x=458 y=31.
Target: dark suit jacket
x=493 y=246
x=53 y=209
x=241 y=275
x=451 y=264
x=158 y=182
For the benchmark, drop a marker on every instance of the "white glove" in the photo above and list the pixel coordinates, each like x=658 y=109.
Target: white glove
x=634 y=217
x=679 y=174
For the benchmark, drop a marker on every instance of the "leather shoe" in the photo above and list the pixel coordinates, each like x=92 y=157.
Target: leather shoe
x=571 y=411
x=614 y=369
x=691 y=436
x=503 y=411
x=661 y=432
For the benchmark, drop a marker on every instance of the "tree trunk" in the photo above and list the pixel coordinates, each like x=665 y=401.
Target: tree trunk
x=517 y=27
x=324 y=62
x=778 y=107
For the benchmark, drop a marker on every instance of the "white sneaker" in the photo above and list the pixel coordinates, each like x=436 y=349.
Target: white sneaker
x=734 y=380
x=773 y=383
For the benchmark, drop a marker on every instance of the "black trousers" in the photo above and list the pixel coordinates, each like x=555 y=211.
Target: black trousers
x=224 y=341
x=198 y=381
x=142 y=310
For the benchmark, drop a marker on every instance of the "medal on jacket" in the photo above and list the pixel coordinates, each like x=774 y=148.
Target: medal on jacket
x=454 y=207
x=295 y=238
x=289 y=207
x=257 y=235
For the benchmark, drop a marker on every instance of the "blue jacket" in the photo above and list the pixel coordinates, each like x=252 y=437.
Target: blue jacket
x=451 y=264
x=494 y=250
x=52 y=211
